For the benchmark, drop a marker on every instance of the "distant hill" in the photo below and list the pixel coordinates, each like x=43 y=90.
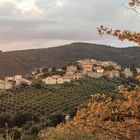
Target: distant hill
x=22 y=62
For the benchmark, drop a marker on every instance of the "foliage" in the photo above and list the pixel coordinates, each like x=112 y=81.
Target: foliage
x=56 y=119
x=126 y=34
x=121 y=35
x=68 y=134
x=22 y=118
x=105 y=117
x=109 y=68
x=134 y=3
x=30 y=137
x=5 y=118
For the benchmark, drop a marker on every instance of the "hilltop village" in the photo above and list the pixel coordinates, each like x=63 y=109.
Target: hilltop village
x=74 y=71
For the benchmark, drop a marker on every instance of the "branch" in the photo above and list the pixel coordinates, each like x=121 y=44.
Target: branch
x=121 y=35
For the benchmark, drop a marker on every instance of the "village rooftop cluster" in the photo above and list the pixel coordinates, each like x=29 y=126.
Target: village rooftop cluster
x=77 y=70
x=74 y=71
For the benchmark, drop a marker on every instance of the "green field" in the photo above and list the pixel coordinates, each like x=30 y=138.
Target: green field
x=45 y=103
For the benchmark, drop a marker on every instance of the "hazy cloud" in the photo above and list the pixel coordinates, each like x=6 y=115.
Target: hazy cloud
x=40 y=22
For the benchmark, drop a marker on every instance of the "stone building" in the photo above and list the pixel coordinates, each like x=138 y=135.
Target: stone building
x=117 y=67
x=60 y=80
x=71 y=68
x=56 y=79
x=9 y=79
x=138 y=70
x=128 y=73
x=99 y=69
x=18 y=80
x=112 y=74
x=23 y=81
x=70 y=73
x=66 y=79
x=51 y=80
x=77 y=76
x=95 y=74
x=87 y=67
x=4 y=85
x=138 y=78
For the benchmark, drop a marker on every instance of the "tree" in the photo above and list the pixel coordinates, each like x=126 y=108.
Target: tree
x=125 y=34
x=56 y=118
x=104 y=118
x=23 y=118
x=5 y=119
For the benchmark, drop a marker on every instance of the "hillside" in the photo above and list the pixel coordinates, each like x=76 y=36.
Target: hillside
x=37 y=107
x=102 y=118
x=45 y=102
x=24 y=61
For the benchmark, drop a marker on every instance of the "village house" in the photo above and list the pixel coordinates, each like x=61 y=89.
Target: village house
x=95 y=74
x=60 y=80
x=4 y=85
x=42 y=69
x=59 y=70
x=105 y=63
x=110 y=63
x=86 y=67
x=15 y=78
x=9 y=79
x=70 y=73
x=37 y=76
x=138 y=70
x=94 y=61
x=50 y=80
x=50 y=69
x=18 y=77
x=138 y=78
x=117 y=67
x=112 y=74
x=128 y=73
x=89 y=61
x=57 y=79
x=24 y=81
x=98 y=69
x=67 y=79
x=18 y=80
x=77 y=76
x=71 y=68
x=35 y=71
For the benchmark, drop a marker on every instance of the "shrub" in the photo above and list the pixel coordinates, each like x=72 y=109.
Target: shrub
x=5 y=119
x=23 y=118
x=56 y=119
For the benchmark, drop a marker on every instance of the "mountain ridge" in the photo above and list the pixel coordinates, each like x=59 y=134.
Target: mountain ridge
x=23 y=61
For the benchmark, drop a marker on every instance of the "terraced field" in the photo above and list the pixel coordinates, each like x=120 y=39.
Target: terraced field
x=58 y=99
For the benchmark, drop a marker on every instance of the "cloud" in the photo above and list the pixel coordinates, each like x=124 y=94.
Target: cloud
x=19 y=8
x=40 y=22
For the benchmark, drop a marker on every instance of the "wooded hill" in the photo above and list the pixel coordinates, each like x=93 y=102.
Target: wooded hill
x=22 y=62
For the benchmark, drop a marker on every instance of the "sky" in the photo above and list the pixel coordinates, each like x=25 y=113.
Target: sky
x=30 y=24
